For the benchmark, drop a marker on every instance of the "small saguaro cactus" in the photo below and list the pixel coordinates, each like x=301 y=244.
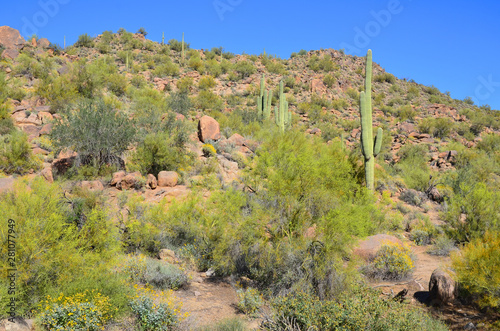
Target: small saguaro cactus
x=182 y=54
x=163 y=38
x=370 y=148
x=264 y=101
x=282 y=116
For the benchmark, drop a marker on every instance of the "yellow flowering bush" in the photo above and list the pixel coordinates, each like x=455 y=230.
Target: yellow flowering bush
x=208 y=150
x=249 y=300
x=155 y=310
x=393 y=261
x=88 y=311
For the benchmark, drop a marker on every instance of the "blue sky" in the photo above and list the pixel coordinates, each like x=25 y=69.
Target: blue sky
x=453 y=45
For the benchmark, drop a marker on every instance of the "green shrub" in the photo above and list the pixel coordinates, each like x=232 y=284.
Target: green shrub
x=442 y=127
x=249 y=300
x=361 y=310
x=412 y=166
x=6 y=124
x=156 y=273
x=196 y=63
x=385 y=78
x=244 y=68
x=406 y=113
x=275 y=67
x=184 y=84
x=443 y=246
x=476 y=267
x=392 y=262
x=177 y=45
x=179 y=102
x=213 y=68
x=84 y=40
x=152 y=317
x=324 y=63
x=206 y=83
x=89 y=310
x=166 y=69
x=420 y=237
x=96 y=132
x=15 y=154
x=208 y=100
x=232 y=324
x=208 y=150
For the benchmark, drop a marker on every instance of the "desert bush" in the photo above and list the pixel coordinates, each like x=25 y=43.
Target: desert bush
x=385 y=78
x=275 y=67
x=166 y=69
x=442 y=127
x=361 y=310
x=249 y=300
x=329 y=80
x=6 y=124
x=179 y=102
x=84 y=40
x=206 y=83
x=213 y=68
x=392 y=262
x=324 y=63
x=443 y=246
x=151 y=316
x=244 y=68
x=164 y=149
x=420 y=237
x=177 y=45
x=69 y=259
x=196 y=62
x=208 y=150
x=184 y=84
x=96 y=132
x=412 y=166
x=476 y=267
x=232 y=324
x=208 y=100
x=159 y=274
x=89 y=310
x=15 y=154
x=412 y=197
x=406 y=113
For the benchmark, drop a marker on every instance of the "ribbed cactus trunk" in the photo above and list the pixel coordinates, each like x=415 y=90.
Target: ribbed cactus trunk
x=282 y=116
x=367 y=144
x=264 y=101
x=182 y=47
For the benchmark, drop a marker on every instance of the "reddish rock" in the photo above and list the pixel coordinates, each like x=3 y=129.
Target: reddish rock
x=10 y=53
x=117 y=177
x=40 y=151
x=33 y=42
x=11 y=38
x=368 y=248
x=46 y=129
x=45 y=117
x=442 y=287
x=208 y=129
x=151 y=182
x=168 y=178
x=130 y=181
x=43 y=42
x=236 y=140
x=318 y=87
x=47 y=174
x=407 y=127
x=32 y=131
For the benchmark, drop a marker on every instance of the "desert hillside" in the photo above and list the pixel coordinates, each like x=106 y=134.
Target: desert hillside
x=153 y=186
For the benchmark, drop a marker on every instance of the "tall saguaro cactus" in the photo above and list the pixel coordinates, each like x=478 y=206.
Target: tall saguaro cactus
x=282 y=116
x=369 y=147
x=264 y=101
x=182 y=53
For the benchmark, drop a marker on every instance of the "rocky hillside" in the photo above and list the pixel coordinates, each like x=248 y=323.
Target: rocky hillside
x=163 y=167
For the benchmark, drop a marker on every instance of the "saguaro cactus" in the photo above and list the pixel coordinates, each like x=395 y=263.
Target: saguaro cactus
x=282 y=116
x=369 y=147
x=264 y=101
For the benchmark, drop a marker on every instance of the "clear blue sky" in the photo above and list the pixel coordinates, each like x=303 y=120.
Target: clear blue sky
x=453 y=45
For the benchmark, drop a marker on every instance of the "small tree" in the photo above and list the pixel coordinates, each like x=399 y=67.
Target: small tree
x=142 y=31
x=84 y=40
x=96 y=132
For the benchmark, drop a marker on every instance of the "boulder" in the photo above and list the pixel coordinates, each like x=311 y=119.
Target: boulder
x=236 y=140
x=43 y=42
x=130 y=181
x=10 y=54
x=117 y=177
x=318 y=87
x=47 y=174
x=368 y=248
x=151 y=182
x=16 y=324
x=208 y=129
x=442 y=287
x=11 y=38
x=167 y=178
x=46 y=129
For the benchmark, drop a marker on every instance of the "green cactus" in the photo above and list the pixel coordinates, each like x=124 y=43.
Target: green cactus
x=163 y=38
x=282 y=116
x=126 y=62
x=369 y=148
x=182 y=47
x=264 y=101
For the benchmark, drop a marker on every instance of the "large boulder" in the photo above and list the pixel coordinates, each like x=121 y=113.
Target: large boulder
x=208 y=129
x=167 y=178
x=368 y=248
x=442 y=287
x=91 y=185
x=117 y=177
x=151 y=181
x=6 y=184
x=130 y=181
x=11 y=38
x=47 y=174
x=16 y=324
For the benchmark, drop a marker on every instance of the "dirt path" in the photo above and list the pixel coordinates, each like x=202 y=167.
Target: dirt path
x=210 y=301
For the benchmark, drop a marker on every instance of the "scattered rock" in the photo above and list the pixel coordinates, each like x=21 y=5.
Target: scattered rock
x=168 y=178
x=210 y=273
x=318 y=87
x=442 y=287
x=130 y=181
x=19 y=324
x=10 y=54
x=208 y=129
x=46 y=129
x=43 y=42
x=151 y=182
x=91 y=185
x=117 y=177
x=470 y=326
